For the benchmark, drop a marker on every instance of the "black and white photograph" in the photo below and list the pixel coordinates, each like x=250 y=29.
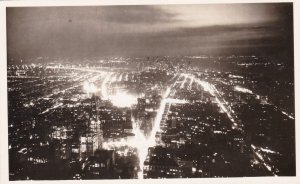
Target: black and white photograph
x=150 y=91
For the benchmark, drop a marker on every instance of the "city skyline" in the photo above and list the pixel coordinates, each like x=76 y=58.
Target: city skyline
x=144 y=92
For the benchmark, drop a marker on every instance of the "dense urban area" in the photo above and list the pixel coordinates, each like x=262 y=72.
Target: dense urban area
x=150 y=117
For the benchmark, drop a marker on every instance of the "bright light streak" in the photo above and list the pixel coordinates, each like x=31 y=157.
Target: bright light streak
x=167 y=93
x=103 y=86
x=123 y=99
x=156 y=126
x=139 y=141
x=113 y=79
x=267 y=150
x=268 y=167
x=90 y=87
x=191 y=82
x=221 y=106
x=78 y=69
x=175 y=101
x=259 y=156
x=184 y=81
x=120 y=77
x=206 y=86
x=285 y=113
x=142 y=143
x=236 y=76
x=214 y=92
x=54 y=107
x=174 y=77
x=150 y=142
x=243 y=90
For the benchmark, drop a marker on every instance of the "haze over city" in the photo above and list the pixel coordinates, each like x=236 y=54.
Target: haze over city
x=161 y=91
x=150 y=30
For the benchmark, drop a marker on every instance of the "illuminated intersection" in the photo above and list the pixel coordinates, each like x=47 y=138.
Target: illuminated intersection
x=150 y=123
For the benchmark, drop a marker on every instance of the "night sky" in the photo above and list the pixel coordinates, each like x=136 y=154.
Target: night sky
x=176 y=30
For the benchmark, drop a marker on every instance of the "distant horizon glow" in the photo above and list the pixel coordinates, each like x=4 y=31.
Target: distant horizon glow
x=149 y=30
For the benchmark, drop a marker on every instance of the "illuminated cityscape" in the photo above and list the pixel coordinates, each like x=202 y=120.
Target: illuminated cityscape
x=170 y=120
x=150 y=91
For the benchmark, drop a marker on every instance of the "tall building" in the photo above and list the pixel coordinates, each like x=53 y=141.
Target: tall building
x=141 y=104
x=100 y=166
x=160 y=163
x=174 y=122
x=93 y=138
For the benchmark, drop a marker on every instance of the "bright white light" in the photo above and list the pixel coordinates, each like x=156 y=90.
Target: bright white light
x=184 y=80
x=267 y=150
x=104 y=87
x=243 y=90
x=123 y=99
x=268 y=167
x=126 y=77
x=113 y=79
x=194 y=169
x=214 y=92
x=54 y=107
x=191 y=81
x=175 y=101
x=89 y=87
x=139 y=141
x=206 y=86
x=259 y=156
x=120 y=77
x=142 y=143
x=285 y=113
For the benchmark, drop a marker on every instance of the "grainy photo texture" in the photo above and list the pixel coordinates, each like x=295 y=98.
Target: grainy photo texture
x=160 y=91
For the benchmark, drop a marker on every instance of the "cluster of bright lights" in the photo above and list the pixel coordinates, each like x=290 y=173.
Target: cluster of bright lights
x=184 y=80
x=285 y=113
x=143 y=143
x=243 y=90
x=51 y=108
x=256 y=149
x=139 y=141
x=113 y=78
x=120 y=77
x=267 y=150
x=123 y=99
x=89 y=87
x=211 y=90
x=104 y=86
x=206 y=86
x=78 y=69
x=192 y=78
x=143 y=146
x=150 y=142
x=214 y=92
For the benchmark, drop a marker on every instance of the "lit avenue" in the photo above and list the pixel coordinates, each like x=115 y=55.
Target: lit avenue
x=150 y=117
